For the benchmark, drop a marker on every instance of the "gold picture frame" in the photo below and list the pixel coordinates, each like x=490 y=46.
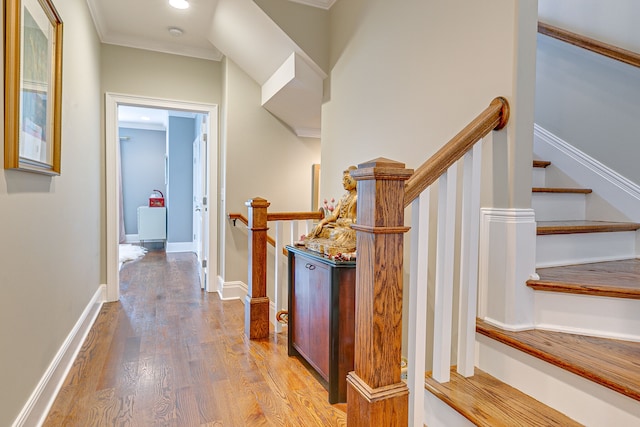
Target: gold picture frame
x=33 y=86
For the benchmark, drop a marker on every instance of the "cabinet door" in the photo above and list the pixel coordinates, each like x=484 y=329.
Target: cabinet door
x=300 y=308
x=319 y=315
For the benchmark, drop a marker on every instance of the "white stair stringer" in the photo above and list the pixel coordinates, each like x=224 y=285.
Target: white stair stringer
x=559 y=206
x=605 y=317
x=578 y=398
x=566 y=249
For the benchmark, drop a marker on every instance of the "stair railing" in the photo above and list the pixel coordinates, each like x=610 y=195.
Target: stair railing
x=376 y=395
x=257 y=302
x=605 y=49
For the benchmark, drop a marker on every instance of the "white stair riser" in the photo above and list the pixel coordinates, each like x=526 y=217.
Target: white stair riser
x=559 y=206
x=538 y=179
x=566 y=249
x=578 y=398
x=616 y=318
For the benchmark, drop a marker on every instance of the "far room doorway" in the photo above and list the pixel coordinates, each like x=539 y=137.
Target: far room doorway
x=152 y=145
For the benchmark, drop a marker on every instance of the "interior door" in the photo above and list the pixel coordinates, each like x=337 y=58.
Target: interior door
x=200 y=208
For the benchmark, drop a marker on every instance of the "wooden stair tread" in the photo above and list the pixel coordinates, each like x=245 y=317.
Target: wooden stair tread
x=608 y=362
x=571 y=227
x=487 y=401
x=540 y=163
x=563 y=190
x=617 y=279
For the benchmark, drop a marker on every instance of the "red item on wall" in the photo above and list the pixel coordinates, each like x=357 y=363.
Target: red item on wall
x=156 y=201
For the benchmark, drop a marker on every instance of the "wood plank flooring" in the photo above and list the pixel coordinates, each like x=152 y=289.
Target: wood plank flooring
x=610 y=363
x=169 y=354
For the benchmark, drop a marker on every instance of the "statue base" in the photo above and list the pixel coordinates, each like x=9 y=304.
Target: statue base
x=328 y=247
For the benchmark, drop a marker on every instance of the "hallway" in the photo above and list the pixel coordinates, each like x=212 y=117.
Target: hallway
x=168 y=354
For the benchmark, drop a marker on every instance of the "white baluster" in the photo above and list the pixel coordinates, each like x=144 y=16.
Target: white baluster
x=444 y=274
x=279 y=274
x=469 y=261
x=418 y=306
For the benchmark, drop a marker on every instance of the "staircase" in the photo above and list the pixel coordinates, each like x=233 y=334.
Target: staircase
x=581 y=365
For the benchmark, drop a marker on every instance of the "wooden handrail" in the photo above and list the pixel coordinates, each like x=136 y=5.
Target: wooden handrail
x=610 y=51
x=278 y=216
x=494 y=117
x=294 y=216
x=243 y=219
x=236 y=216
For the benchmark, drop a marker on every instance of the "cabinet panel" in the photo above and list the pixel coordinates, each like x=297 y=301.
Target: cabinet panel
x=319 y=311
x=322 y=316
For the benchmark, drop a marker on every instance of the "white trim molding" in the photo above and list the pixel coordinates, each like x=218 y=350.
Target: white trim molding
x=507 y=259
x=614 y=188
x=179 y=247
x=232 y=290
x=321 y=4
x=37 y=407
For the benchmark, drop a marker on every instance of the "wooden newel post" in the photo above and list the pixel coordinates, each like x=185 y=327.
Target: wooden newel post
x=376 y=396
x=256 y=307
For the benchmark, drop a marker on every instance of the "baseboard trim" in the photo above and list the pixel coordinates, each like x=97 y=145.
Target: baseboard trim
x=232 y=290
x=131 y=238
x=173 y=247
x=37 y=407
x=617 y=190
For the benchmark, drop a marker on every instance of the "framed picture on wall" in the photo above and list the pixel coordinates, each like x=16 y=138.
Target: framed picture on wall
x=33 y=86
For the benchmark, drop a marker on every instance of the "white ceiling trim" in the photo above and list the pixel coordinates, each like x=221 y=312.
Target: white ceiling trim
x=183 y=50
x=321 y=4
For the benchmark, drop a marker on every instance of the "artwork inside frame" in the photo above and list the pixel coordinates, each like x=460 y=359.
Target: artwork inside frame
x=33 y=86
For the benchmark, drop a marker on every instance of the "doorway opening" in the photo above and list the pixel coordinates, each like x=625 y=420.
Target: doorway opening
x=202 y=165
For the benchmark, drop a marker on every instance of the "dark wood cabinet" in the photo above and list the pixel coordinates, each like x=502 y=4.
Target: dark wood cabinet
x=322 y=316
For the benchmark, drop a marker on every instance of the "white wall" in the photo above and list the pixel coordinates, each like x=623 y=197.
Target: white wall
x=588 y=100
x=50 y=227
x=264 y=158
x=406 y=77
x=614 y=21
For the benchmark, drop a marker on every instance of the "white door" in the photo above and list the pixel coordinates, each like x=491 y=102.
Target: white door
x=200 y=207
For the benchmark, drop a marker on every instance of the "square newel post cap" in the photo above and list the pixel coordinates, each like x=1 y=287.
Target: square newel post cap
x=257 y=202
x=382 y=169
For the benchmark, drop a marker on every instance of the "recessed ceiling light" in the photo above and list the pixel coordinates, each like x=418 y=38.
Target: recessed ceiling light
x=175 y=31
x=179 y=4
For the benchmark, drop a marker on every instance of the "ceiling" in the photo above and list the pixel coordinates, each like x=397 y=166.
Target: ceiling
x=145 y=24
x=291 y=81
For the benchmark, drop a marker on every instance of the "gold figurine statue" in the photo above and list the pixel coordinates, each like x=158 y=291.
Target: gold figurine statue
x=333 y=235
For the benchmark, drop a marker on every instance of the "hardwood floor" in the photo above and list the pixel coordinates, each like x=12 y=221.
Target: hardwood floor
x=169 y=354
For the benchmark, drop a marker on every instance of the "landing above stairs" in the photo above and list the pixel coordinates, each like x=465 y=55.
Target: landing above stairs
x=610 y=363
x=486 y=401
x=617 y=279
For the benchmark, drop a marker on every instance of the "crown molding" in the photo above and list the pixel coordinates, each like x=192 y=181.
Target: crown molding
x=321 y=4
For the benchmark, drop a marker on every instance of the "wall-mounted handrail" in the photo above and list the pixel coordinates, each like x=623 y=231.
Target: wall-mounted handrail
x=494 y=117
x=238 y=216
x=608 y=50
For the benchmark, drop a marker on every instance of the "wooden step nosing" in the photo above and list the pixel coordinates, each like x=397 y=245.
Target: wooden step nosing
x=561 y=190
x=556 y=361
x=543 y=230
x=488 y=417
x=541 y=163
x=584 y=289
